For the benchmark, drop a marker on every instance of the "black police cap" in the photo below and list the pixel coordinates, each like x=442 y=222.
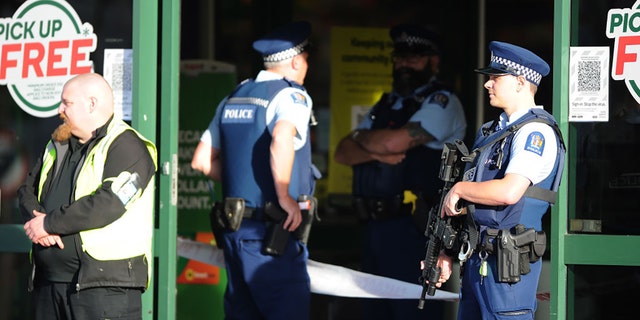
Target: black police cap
x=284 y=42
x=413 y=38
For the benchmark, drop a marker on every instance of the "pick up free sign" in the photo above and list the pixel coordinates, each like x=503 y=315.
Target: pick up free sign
x=623 y=25
x=42 y=46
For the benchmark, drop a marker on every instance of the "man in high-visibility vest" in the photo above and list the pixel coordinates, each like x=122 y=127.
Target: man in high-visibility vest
x=88 y=206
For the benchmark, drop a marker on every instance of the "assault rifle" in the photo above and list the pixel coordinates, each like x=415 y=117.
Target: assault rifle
x=442 y=233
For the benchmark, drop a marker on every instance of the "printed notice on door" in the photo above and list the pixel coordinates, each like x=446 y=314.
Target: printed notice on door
x=589 y=84
x=118 y=71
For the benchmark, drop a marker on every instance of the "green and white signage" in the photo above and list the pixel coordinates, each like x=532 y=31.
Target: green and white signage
x=42 y=46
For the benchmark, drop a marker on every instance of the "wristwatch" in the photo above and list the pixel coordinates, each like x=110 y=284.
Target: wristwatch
x=355 y=134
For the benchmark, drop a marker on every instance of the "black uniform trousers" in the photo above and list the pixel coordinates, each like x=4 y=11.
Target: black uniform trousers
x=60 y=301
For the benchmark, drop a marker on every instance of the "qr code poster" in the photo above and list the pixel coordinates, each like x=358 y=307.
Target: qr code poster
x=589 y=84
x=118 y=71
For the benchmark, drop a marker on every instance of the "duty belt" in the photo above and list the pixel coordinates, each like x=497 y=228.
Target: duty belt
x=252 y=213
x=381 y=209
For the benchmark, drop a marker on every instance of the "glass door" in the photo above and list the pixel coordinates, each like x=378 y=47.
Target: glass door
x=596 y=229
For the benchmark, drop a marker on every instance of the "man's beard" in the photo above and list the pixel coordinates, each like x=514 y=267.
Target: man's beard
x=62 y=132
x=407 y=80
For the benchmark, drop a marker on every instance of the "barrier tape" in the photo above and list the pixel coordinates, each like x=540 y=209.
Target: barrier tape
x=326 y=279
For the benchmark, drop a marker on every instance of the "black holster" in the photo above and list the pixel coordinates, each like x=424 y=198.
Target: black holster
x=309 y=210
x=226 y=216
x=276 y=238
x=515 y=250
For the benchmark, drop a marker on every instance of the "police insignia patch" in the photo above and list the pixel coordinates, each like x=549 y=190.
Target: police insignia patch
x=535 y=143
x=440 y=99
x=299 y=98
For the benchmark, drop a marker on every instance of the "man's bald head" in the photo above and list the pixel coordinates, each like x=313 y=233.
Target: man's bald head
x=86 y=105
x=97 y=89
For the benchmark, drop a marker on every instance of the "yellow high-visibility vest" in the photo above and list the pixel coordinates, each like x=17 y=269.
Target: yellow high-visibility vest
x=132 y=234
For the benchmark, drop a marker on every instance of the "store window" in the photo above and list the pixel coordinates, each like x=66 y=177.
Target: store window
x=607 y=174
x=23 y=135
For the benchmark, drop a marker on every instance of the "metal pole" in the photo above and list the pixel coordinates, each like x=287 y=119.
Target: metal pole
x=482 y=48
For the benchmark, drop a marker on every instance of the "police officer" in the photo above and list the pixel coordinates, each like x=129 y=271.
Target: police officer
x=258 y=146
x=518 y=162
x=395 y=154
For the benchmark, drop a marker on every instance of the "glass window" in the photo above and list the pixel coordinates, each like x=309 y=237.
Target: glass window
x=607 y=174
x=605 y=292
x=23 y=138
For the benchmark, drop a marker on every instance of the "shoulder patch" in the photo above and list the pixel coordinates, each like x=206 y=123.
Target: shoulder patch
x=535 y=143
x=439 y=98
x=299 y=98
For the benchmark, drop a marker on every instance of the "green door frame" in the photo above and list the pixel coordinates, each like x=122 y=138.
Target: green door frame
x=560 y=112
x=159 y=302
x=574 y=249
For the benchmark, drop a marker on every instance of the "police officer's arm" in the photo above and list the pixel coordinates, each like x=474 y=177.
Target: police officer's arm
x=527 y=166
x=282 y=155
x=206 y=159
x=390 y=141
x=126 y=153
x=496 y=192
x=384 y=145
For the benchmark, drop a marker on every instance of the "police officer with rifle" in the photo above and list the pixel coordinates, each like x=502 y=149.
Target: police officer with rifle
x=511 y=178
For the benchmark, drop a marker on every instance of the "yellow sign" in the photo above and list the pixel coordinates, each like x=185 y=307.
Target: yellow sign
x=360 y=73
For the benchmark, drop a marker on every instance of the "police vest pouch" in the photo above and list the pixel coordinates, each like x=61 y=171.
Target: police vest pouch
x=538 y=247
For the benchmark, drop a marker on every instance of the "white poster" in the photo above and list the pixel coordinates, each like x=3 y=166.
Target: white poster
x=118 y=71
x=589 y=84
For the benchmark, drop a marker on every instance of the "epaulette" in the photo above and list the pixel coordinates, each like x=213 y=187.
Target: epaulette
x=439 y=98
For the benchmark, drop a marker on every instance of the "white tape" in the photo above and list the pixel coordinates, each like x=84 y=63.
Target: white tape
x=200 y=251
x=325 y=278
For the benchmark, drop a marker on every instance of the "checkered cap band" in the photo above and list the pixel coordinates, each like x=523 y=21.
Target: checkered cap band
x=413 y=41
x=286 y=54
x=517 y=69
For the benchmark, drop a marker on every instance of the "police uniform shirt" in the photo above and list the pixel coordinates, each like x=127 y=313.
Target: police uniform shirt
x=441 y=115
x=291 y=104
x=533 y=150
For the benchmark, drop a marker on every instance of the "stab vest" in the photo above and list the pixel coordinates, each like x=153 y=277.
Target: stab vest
x=246 y=140
x=537 y=199
x=417 y=172
x=126 y=237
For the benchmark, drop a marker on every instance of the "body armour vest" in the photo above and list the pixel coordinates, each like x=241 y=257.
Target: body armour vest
x=245 y=141
x=417 y=172
x=490 y=165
